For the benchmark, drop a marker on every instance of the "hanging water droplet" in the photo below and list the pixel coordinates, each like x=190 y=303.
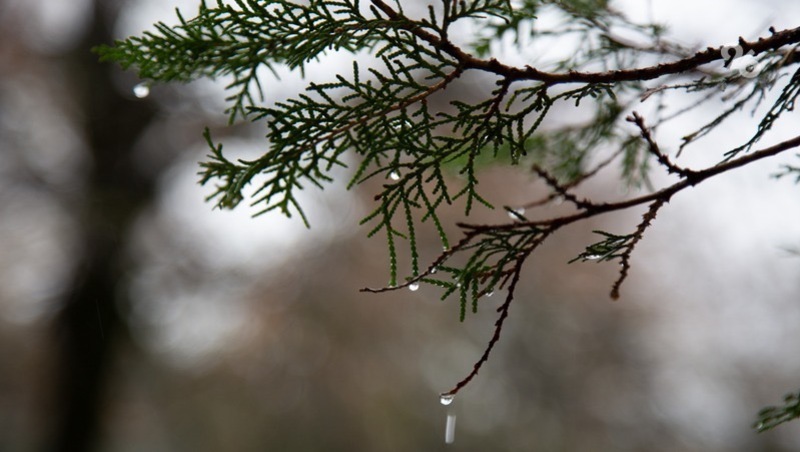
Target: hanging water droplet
x=141 y=90
x=450 y=429
x=593 y=257
x=446 y=399
x=413 y=287
x=394 y=175
x=490 y=293
x=434 y=270
x=445 y=249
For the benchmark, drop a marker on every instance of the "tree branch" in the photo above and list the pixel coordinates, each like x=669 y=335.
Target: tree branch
x=695 y=178
x=710 y=54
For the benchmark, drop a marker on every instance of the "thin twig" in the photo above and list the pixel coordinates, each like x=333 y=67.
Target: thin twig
x=652 y=146
x=647 y=220
x=561 y=190
x=575 y=182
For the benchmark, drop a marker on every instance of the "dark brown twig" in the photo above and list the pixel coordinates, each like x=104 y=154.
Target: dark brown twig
x=575 y=182
x=647 y=220
x=709 y=55
x=653 y=148
x=559 y=189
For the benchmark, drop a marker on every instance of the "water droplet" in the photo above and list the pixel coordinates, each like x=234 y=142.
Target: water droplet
x=446 y=399
x=450 y=429
x=445 y=249
x=394 y=175
x=490 y=293
x=434 y=270
x=519 y=211
x=413 y=287
x=558 y=200
x=141 y=90
x=593 y=257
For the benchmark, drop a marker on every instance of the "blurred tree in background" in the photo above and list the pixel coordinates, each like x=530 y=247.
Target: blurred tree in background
x=136 y=320
x=94 y=133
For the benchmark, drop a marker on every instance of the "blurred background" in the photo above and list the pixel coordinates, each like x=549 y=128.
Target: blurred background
x=134 y=317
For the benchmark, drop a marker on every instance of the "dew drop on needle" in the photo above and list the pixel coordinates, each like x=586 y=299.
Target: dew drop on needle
x=141 y=90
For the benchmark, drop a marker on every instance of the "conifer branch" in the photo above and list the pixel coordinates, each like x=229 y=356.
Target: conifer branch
x=533 y=233
x=385 y=117
x=498 y=325
x=773 y=416
x=777 y=40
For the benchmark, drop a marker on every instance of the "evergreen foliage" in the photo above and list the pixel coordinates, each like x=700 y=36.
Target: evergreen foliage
x=384 y=114
x=773 y=416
